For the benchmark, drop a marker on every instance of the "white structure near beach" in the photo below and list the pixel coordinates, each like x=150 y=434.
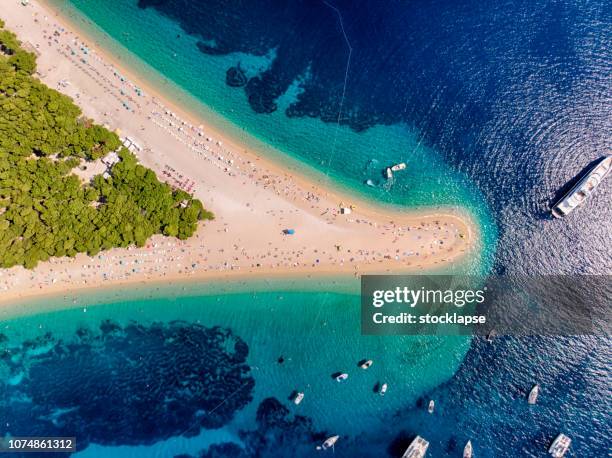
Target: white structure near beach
x=111 y=159
x=131 y=144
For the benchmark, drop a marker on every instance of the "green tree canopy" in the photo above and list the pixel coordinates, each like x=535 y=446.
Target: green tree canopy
x=45 y=209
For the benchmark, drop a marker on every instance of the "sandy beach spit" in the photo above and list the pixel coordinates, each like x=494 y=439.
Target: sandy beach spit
x=255 y=200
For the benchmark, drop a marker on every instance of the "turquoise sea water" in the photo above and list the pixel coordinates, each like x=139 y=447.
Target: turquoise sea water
x=317 y=333
x=334 y=154
x=314 y=326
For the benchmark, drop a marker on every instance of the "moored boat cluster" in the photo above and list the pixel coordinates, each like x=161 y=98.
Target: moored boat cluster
x=419 y=445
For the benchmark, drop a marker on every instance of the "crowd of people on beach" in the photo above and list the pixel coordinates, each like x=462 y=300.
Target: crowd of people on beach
x=429 y=238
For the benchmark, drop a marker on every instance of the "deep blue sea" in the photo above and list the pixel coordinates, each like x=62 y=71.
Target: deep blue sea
x=495 y=106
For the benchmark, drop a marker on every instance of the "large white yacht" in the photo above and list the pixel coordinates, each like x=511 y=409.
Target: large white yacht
x=583 y=189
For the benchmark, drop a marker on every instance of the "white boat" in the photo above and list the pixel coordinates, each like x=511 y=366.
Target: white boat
x=560 y=445
x=417 y=448
x=329 y=443
x=366 y=364
x=298 y=398
x=583 y=189
x=533 y=394
x=491 y=335
x=431 y=406
x=398 y=167
x=383 y=389
x=341 y=377
x=389 y=173
x=467 y=450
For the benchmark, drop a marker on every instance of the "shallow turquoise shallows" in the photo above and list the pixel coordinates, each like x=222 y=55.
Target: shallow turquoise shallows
x=313 y=325
x=332 y=154
x=316 y=334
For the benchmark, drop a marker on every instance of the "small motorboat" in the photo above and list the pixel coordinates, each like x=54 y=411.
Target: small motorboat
x=341 y=377
x=398 y=167
x=298 y=398
x=491 y=335
x=366 y=364
x=383 y=389
x=329 y=443
x=467 y=450
x=533 y=394
x=431 y=406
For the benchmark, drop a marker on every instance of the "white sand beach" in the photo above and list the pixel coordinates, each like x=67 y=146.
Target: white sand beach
x=253 y=198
